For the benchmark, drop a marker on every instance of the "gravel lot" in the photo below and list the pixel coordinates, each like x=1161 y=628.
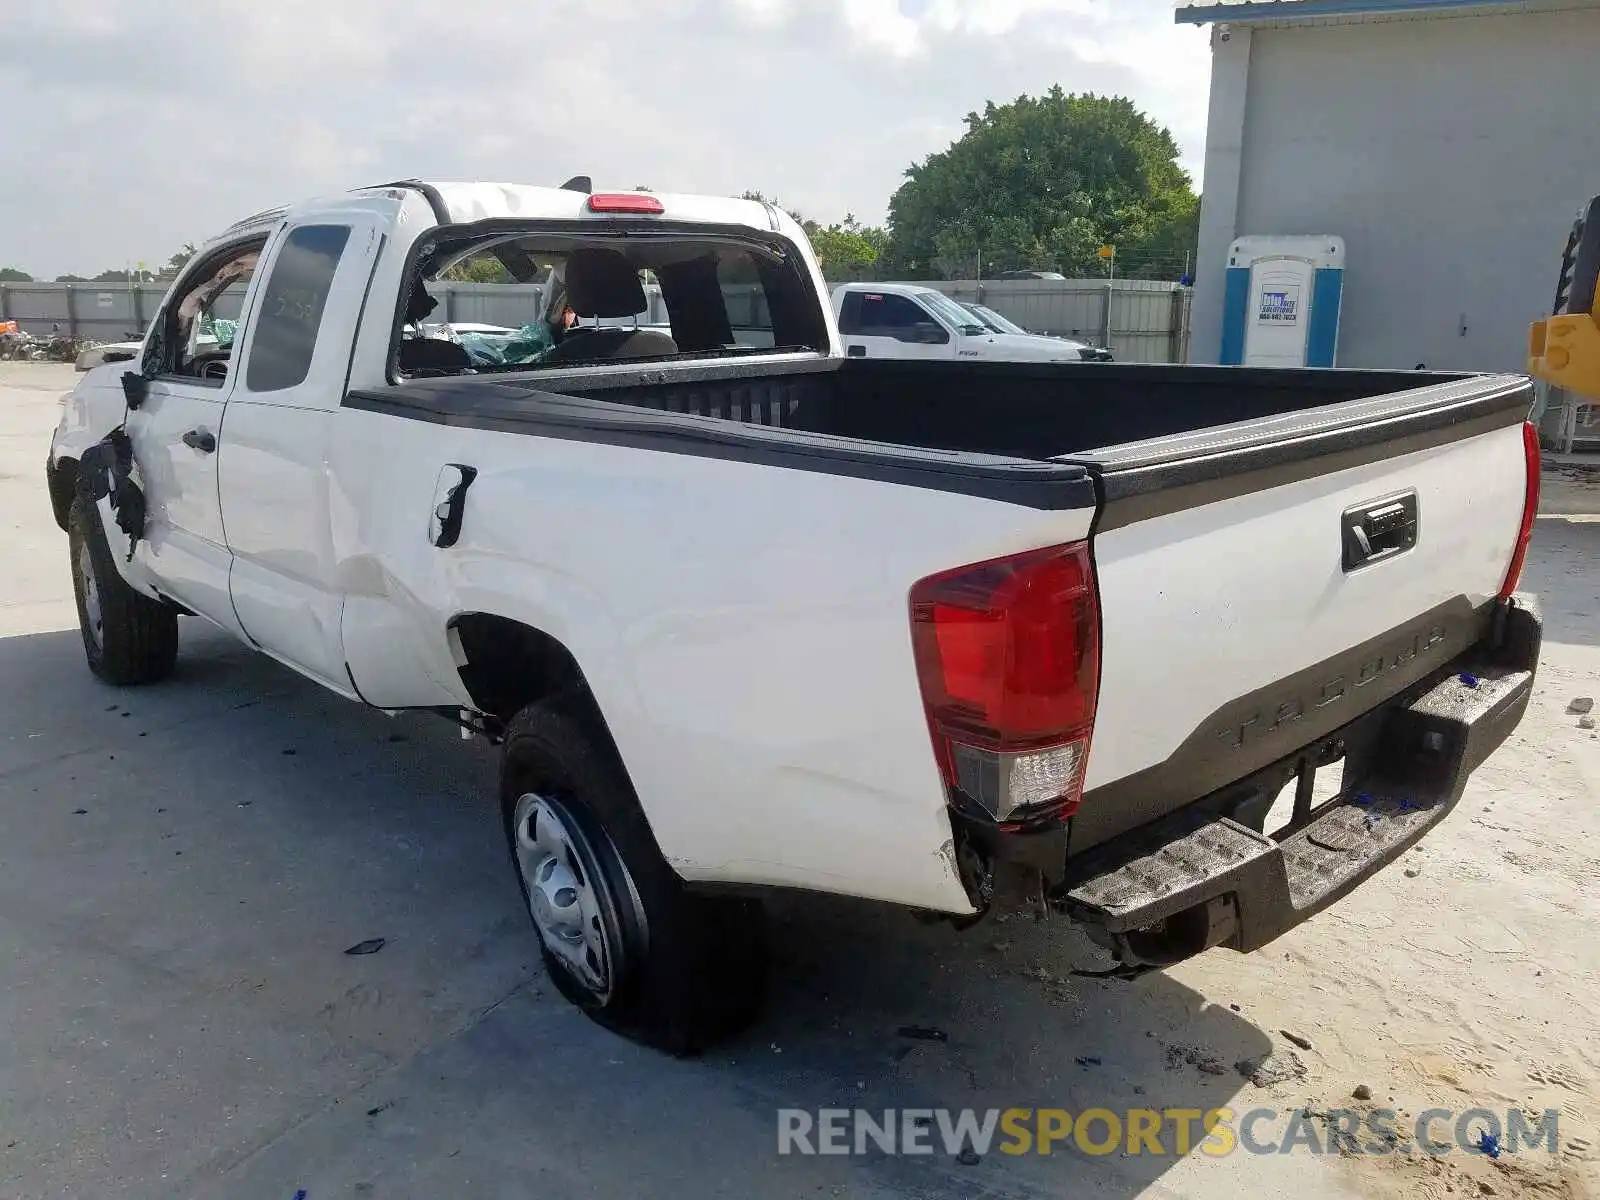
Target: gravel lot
x=182 y=867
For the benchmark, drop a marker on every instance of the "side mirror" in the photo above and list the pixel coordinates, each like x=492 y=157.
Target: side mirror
x=135 y=387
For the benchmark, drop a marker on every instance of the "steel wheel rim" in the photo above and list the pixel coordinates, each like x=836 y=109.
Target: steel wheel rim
x=571 y=909
x=95 y=621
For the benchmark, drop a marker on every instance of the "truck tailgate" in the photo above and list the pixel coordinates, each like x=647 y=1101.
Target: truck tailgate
x=1265 y=583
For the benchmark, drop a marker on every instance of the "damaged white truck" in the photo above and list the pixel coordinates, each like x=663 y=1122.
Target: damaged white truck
x=745 y=613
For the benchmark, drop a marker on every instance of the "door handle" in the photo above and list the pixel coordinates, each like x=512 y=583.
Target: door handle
x=201 y=440
x=857 y=351
x=1378 y=530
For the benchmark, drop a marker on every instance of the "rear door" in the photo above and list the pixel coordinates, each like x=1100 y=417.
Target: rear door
x=889 y=325
x=277 y=498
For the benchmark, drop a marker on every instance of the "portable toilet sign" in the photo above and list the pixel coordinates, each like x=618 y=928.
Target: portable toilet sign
x=1281 y=304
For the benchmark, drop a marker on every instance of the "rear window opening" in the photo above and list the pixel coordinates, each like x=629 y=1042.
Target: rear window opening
x=554 y=300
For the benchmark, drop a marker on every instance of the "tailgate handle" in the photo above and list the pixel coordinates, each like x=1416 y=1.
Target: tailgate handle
x=1379 y=530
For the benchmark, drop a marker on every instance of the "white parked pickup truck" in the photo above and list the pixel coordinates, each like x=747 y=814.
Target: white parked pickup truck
x=758 y=616
x=914 y=321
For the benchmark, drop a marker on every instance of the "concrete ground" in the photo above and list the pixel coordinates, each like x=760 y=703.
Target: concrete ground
x=182 y=868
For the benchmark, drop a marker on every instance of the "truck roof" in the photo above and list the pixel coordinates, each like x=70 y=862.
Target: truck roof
x=898 y=289
x=463 y=203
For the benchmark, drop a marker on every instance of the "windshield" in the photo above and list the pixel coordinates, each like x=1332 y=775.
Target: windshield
x=956 y=314
x=995 y=321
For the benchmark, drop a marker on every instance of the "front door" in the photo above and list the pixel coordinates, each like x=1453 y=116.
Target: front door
x=888 y=325
x=177 y=430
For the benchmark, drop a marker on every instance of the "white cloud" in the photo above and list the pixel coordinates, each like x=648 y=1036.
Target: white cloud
x=881 y=25
x=137 y=125
x=763 y=12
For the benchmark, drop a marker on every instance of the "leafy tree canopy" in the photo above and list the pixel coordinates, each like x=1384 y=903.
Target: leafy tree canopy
x=178 y=261
x=1043 y=183
x=479 y=268
x=12 y=275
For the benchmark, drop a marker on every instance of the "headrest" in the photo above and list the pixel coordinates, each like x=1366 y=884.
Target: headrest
x=419 y=305
x=603 y=283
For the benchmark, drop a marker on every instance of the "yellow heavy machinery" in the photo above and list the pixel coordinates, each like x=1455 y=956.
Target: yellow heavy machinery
x=1564 y=349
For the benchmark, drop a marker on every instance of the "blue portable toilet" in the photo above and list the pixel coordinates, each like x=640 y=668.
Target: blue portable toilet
x=1281 y=303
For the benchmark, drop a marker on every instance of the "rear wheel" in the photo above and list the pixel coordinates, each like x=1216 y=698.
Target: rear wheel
x=128 y=638
x=622 y=937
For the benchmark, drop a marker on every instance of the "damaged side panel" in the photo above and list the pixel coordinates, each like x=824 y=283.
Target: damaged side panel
x=106 y=471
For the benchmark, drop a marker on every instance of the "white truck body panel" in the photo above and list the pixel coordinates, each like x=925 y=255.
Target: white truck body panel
x=716 y=651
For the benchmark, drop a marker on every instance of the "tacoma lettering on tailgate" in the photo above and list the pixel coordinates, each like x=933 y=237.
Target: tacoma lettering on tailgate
x=1335 y=688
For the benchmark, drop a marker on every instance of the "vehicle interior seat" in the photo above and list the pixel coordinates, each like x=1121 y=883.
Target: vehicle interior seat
x=604 y=284
x=434 y=355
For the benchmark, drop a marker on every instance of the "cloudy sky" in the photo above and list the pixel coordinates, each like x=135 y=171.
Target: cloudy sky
x=128 y=127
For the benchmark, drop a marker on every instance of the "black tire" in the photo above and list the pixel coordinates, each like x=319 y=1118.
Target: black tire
x=692 y=969
x=136 y=640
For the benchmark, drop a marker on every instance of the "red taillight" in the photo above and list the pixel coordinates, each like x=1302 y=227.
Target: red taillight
x=1008 y=656
x=626 y=202
x=1530 y=509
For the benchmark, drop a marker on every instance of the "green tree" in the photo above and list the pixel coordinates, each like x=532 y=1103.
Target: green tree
x=846 y=249
x=71 y=279
x=1042 y=183
x=114 y=276
x=480 y=268
x=178 y=261
x=12 y=275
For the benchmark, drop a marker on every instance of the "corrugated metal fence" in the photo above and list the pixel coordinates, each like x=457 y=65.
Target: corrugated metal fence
x=106 y=312
x=1140 y=320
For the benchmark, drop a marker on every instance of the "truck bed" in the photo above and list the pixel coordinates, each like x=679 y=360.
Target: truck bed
x=1016 y=410
x=1150 y=438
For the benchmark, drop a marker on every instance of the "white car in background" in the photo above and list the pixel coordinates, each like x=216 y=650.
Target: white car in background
x=913 y=321
x=1000 y=323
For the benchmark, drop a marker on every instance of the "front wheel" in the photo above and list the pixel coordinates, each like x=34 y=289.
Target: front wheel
x=128 y=637
x=622 y=937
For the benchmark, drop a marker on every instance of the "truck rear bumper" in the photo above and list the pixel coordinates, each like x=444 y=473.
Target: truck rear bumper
x=1207 y=875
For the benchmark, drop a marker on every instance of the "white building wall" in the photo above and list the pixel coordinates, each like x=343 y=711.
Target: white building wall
x=1450 y=152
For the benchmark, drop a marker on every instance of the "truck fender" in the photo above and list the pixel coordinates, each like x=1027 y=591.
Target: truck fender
x=529 y=607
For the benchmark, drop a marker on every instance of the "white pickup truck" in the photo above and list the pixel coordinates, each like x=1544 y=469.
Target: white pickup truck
x=747 y=616
x=913 y=320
